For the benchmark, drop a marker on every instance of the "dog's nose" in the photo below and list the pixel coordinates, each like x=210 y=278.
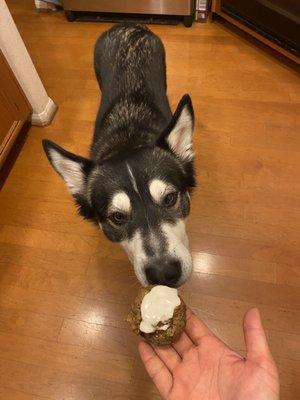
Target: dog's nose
x=163 y=272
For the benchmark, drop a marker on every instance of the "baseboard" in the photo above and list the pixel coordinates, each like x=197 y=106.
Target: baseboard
x=44 y=6
x=46 y=116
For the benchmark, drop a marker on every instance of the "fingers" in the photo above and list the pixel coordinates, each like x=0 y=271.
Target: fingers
x=195 y=328
x=157 y=370
x=168 y=356
x=183 y=344
x=255 y=337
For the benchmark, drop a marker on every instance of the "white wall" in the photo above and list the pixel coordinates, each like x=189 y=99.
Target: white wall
x=20 y=62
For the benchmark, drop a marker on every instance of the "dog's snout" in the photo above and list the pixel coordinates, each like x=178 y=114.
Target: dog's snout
x=163 y=272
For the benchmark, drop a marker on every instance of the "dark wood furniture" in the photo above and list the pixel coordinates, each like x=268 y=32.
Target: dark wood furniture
x=14 y=108
x=275 y=23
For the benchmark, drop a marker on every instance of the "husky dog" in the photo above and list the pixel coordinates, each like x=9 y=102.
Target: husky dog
x=136 y=184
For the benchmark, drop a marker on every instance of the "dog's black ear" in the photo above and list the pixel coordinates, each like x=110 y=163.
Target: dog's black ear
x=178 y=136
x=74 y=170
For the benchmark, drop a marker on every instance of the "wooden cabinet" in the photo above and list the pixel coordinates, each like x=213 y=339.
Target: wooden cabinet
x=14 y=108
x=275 y=23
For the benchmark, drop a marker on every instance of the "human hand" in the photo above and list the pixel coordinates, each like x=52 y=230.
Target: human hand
x=200 y=366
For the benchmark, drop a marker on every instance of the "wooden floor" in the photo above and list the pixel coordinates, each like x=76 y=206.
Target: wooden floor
x=65 y=290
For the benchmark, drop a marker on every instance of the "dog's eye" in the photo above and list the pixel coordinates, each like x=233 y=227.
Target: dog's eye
x=170 y=200
x=118 y=218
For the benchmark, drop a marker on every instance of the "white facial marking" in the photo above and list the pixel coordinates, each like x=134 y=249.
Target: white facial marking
x=121 y=202
x=71 y=171
x=158 y=189
x=135 y=251
x=178 y=246
x=132 y=178
x=180 y=138
x=153 y=241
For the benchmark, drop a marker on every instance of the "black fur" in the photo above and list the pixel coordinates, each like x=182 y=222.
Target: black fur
x=130 y=66
x=132 y=125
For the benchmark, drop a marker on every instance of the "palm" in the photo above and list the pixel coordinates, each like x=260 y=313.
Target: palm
x=213 y=371
x=200 y=366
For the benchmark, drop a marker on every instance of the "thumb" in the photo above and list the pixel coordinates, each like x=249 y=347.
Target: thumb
x=255 y=337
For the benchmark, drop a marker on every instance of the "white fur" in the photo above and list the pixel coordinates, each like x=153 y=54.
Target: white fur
x=71 y=171
x=135 y=251
x=178 y=246
x=180 y=138
x=153 y=242
x=158 y=189
x=121 y=202
x=132 y=178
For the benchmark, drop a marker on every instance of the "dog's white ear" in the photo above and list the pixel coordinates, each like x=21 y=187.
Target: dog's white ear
x=179 y=134
x=74 y=170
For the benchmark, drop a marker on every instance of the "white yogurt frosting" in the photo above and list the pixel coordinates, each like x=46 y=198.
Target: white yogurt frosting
x=158 y=308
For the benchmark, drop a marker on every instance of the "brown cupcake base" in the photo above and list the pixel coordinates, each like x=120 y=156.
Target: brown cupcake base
x=159 y=338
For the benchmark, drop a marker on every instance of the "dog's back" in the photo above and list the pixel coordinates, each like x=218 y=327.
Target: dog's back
x=129 y=58
x=130 y=67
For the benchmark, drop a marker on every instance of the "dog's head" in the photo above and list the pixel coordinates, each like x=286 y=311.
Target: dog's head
x=140 y=199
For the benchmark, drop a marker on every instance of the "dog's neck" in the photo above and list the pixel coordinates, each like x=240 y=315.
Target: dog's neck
x=131 y=123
